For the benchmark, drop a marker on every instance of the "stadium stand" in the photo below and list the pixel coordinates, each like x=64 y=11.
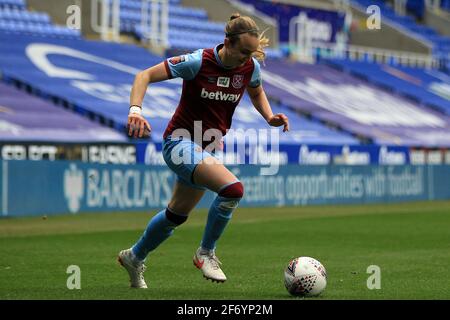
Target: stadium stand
x=13 y=4
x=441 y=44
x=188 y=27
x=353 y=104
x=427 y=86
x=95 y=78
x=24 y=117
x=15 y=19
x=417 y=7
x=445 y=5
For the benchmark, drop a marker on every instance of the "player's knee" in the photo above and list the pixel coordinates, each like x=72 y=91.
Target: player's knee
x=175 y=218
x=230 y=197
x=233 y=191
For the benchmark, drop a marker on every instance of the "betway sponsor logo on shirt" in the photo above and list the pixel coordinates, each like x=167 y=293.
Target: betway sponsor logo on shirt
x=219 y=95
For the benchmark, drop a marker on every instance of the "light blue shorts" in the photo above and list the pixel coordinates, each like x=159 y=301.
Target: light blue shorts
x=182 y=156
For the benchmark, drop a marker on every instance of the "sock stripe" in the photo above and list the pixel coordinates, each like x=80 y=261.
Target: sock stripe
x=175 y=218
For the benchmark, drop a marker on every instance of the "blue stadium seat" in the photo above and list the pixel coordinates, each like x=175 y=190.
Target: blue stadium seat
x=12 y=4
x=36 y=23
x=184 y=23
x=26 y=16
x=414 y=87
x=40 y=17
x=174 y=10
x=113 y=110
x=186 y=39
x=445 y=4
x=188 y=12
x=416 y=7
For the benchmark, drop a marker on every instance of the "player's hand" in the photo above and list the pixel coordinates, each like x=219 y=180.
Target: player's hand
x=278 y=120
x=137 y=126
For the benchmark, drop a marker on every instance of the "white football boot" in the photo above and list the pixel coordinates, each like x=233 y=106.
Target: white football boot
x=209 y=264
x=134 y=267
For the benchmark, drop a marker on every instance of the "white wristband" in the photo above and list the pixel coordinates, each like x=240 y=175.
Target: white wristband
x=135 y=110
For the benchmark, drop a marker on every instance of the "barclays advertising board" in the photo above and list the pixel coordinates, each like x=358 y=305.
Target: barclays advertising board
x=48 y=188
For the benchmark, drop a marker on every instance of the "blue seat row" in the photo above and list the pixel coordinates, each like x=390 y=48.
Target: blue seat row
x=189 y=28
x=175 y=32
x=12 y=4
x=38 y=29
x=186 y=31
x=22 y=15
x=136 y=15
x=107 y=82
x=189 y=12
x=180 y=39
x=414 y=83
x=445 y=4
x=173 y=10
x=14 y=18
x=197 y=25
x=177 y=37
x=172 y=2
x=181 y=23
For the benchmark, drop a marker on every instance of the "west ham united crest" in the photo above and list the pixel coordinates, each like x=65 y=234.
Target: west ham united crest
x=238 y=81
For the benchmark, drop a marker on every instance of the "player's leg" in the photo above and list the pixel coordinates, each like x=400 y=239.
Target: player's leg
x=216 y=177
x=160 y=227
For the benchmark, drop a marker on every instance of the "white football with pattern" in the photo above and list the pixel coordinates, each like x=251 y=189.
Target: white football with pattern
x=305 y=276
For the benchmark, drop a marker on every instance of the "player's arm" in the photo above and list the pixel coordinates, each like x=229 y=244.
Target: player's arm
x=259 y=100
x=185 y=67
x=137 y=124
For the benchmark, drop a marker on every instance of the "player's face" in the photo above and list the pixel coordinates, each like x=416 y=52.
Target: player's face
x=243 y=49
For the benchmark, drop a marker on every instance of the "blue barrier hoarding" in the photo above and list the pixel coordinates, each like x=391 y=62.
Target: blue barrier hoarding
x=40 y=187
x=305 y=154
x=149 y=152
x=297 y=185
x=47 y=188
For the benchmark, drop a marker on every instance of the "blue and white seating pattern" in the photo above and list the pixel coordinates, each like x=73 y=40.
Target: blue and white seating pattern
x=189 y=28
x=14 y=18
x=12 y=4
x=445 y=5
x=414 y=83
x=95 y=78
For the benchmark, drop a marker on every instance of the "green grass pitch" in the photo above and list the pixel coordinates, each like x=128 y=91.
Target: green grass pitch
x=410 y=243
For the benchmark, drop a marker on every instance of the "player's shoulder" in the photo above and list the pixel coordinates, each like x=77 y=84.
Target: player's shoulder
x=256 y=63
x=186 y=58
x=194 y=55
x=186 y=65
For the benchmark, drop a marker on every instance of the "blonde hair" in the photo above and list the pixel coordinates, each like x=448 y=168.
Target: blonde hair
x=238 y=25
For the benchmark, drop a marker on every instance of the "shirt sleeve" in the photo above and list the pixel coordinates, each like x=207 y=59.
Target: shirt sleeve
x=185 y=66
x=256 y=79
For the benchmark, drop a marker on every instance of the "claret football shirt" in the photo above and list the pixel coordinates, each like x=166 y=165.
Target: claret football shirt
x=210 y=92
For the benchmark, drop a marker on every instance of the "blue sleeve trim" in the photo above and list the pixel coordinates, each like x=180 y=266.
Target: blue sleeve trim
x=256 y=79
x=185 y=66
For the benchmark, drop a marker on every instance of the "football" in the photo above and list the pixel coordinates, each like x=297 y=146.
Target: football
x=305 y=277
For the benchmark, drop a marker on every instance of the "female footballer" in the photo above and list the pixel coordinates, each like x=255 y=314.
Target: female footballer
x=214 y=81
